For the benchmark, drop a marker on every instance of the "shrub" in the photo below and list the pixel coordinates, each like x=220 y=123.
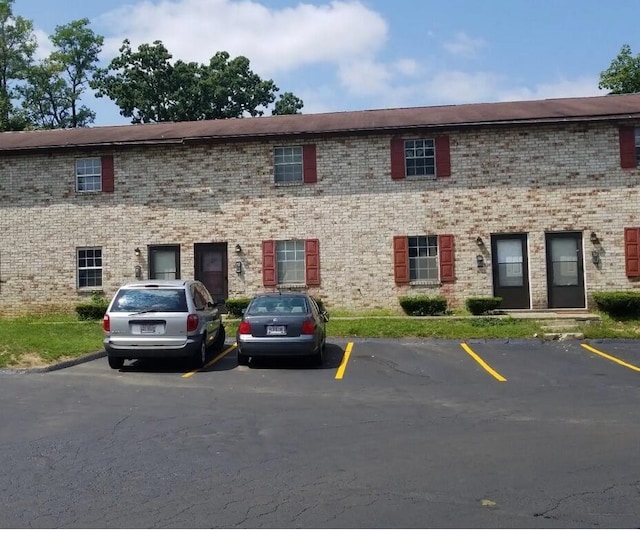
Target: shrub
x=482 y=305
x=235 y=306
x=423 y=305
x=621 y=304
x=94 y=309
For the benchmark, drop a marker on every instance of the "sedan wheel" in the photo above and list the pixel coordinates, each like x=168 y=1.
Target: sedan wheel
x=318 y=356
x=115 y=362
x=243 y=359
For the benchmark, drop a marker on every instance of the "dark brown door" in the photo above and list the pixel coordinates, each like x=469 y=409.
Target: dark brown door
x=211 y=268
x=565 y=270
x=510 y=270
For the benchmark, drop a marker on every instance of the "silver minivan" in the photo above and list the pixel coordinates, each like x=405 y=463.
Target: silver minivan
x=162 y=319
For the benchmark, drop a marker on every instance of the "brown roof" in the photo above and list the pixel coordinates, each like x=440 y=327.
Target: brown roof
x=533 y=111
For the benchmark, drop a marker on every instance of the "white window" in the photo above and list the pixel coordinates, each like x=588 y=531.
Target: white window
x=88 y=175
x=89 y=267
x=423 y=258
x=288 y=165
x=290 y=262
x=420 y=157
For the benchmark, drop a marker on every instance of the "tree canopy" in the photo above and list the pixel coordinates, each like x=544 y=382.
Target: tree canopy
x=623 y=75
x=145 y=83
x=148 y=87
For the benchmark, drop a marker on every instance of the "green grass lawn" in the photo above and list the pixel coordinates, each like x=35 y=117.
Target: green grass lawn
x=40 y=340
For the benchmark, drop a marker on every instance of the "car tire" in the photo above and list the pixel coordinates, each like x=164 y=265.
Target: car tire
x=243 y=359
x=318 y=356
x=200 y=358
x=220 y=338
x=115 y=362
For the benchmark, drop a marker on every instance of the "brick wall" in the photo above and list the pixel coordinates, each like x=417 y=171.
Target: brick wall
x=525 y=179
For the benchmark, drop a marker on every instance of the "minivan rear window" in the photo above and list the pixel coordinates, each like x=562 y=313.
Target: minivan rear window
x=149 y=300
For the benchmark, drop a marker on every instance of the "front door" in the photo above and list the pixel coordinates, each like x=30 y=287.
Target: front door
x=565 y=270
x=211 y=268
x=510 y=270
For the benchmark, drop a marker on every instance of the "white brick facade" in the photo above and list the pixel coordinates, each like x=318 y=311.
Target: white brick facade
x=527 y=179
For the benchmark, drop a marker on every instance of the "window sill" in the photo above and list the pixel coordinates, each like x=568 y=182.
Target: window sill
x=292 y=286
x=425 y=283
x=84 y=290
x=288 y=184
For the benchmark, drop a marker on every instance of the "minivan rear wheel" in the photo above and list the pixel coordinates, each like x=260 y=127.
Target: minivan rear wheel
x=200 y=358
x=115 y=362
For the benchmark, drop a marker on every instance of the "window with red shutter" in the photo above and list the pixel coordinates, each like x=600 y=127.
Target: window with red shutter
x=632 y=251
x=269 y=272
x=312 y=261
x=628 y=159
x=446 y=254
x=401 y=259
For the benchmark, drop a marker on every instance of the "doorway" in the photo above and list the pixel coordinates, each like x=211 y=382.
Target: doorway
x=511 y=270
x=211 y=268
x=565 y=270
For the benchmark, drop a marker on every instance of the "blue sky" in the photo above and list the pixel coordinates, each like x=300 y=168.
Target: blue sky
x=345 y=55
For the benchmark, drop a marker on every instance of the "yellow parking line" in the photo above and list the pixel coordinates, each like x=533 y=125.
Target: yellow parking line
x=216 y=359
x=482 y=363
x=345 y=360
x=609 y=357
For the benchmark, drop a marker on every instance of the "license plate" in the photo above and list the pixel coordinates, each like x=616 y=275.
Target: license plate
x=147 y=329
x=276 y=330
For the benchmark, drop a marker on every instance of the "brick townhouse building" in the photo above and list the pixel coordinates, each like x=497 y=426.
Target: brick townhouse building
x=536 y=202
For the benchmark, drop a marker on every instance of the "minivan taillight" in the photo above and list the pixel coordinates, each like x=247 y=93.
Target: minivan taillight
x=244 y=328
x=106 y=324
x=192 y=322
x=308 y=327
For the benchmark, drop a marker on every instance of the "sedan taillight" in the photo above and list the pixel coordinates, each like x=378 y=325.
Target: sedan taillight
x=244 y=328
x=192 y=322
x=308 y=327
x=106 y=324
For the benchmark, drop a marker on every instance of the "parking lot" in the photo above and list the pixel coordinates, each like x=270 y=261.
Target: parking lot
x=386 y=434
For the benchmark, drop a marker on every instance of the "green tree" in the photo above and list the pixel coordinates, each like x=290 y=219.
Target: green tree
x=17 y=45
x=288 y=104
x=623 y=75
x=148 y=87
x=52 y=96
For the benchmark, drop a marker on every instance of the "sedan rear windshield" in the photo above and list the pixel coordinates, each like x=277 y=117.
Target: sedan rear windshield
x=149 y=300
x=271 y=305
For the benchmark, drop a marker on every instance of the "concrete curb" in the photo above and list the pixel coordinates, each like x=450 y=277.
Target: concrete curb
x=55 y=366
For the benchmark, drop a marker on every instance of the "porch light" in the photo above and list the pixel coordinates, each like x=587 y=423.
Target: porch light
x=479 y=241
x=137 y=251
x=594 y=238
x=238 y=249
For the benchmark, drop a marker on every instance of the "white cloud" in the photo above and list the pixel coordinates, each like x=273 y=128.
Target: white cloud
x=274 y=40
x=584 y=86
x=463 y=45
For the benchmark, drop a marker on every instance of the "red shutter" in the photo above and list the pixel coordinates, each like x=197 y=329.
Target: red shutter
x=628 y=147
x=397 y=159
x=269 y=273
x=107 y=174
x=312 y=261
x=443 y=156
x=309 y=167
x=401 y=259
x=445 y=251
x=632 y=251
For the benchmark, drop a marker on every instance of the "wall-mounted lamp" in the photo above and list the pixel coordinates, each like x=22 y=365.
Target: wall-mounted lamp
x=479 y=241
x=238 y=249
x=137 y=251
x=594 y=238
x=480 y=261
x=239 y=267
x=595 y=257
